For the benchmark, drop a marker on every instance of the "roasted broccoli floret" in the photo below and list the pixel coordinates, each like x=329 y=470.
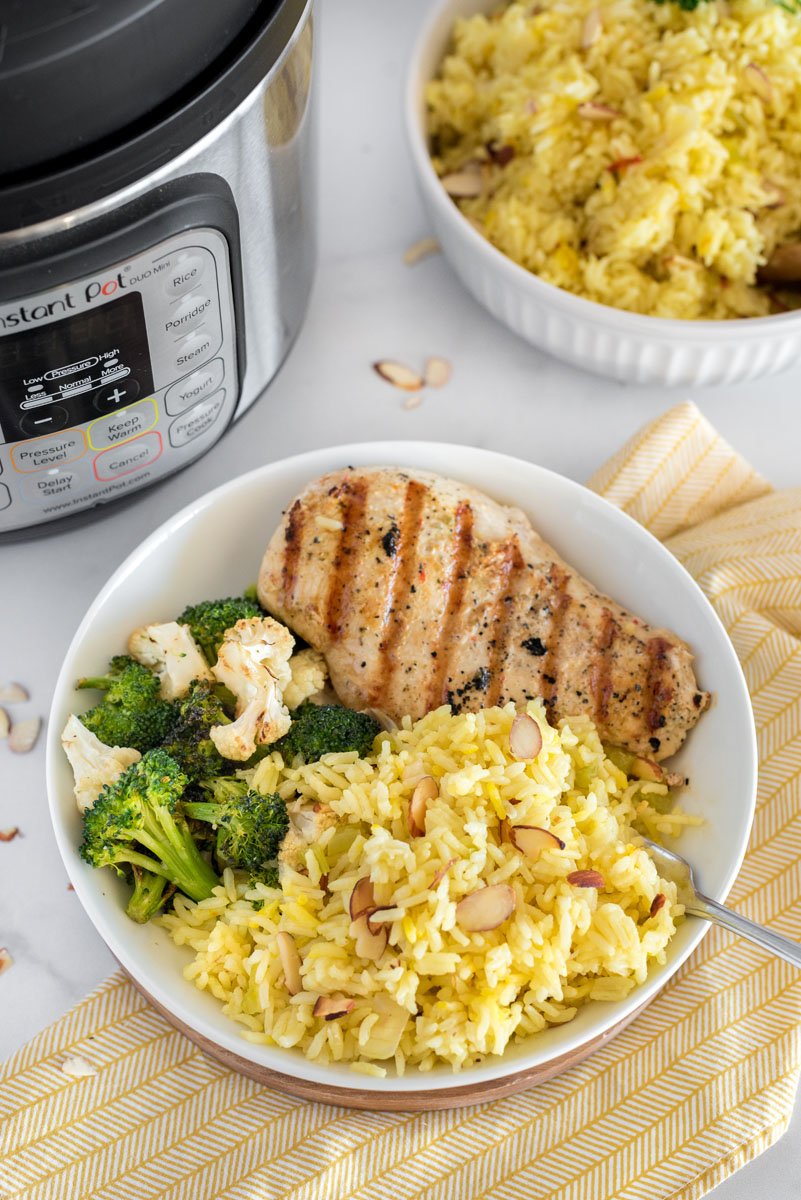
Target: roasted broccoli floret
x=141 y=811
x=131 y=712
x=150 y=893
x=188 y=741
x=319 y=729
x=250 y=827
x=209 y=620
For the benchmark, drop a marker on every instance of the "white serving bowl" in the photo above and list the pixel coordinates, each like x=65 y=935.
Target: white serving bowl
x=215 y=546
x=625 y=346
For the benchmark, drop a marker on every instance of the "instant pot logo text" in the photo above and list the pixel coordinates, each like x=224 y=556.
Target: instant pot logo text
x=96 y=289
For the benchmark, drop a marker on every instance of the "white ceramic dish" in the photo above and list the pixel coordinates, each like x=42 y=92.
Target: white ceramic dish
x=214 y=547
x=622 y=345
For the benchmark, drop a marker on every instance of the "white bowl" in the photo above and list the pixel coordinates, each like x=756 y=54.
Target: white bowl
x=215 y=546
x=625 y=346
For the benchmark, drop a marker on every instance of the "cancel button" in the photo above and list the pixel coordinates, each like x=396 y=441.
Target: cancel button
x=122 y=460
x=198 y=420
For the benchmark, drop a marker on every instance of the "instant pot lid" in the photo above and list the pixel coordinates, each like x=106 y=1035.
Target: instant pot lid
x=101 y=93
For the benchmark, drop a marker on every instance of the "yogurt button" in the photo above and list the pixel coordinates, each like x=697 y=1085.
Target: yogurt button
x=51 y=451
x=55 y=484
x=198 y=420
x=122 y=460
x=188 y=314
x=194 y=350
x=5 y=497
x=183 y=274
x=195 y=387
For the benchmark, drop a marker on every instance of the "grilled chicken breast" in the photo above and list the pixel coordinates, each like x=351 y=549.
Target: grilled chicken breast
x=422 y=591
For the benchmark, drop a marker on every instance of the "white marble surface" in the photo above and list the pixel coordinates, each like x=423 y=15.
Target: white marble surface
x=366 y=305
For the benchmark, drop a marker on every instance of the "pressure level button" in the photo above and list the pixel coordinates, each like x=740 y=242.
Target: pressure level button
x=184 y=273
x=194 y=387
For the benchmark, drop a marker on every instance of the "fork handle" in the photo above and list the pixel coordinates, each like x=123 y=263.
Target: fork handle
x=701 y=906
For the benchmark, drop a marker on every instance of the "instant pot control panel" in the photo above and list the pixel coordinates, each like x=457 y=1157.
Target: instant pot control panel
x=110 y=382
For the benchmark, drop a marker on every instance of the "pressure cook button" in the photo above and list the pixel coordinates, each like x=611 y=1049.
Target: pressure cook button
x=188 y=314
x=195 y=387
x=195 y=349
x=44 y=420
x=122 y=460
x=116 y=395
x=185 y=271
x=120 y=426
x=198 y=420
x=52 y=450
x=58 y=483
x=5 y=497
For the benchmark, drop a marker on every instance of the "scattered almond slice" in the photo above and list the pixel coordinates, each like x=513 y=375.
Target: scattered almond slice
x=657 y=903
x=586 y=879
x=413 y=401
x=387 y=723
x=441 y=873
x=290 y=961
x=5 y=723
x=385 y=1035
x=369 y=916
x=486 y=909
x=525 y=738
x=647 y=769
x=362 y=898
x=425 y=791
x=13 y=693
x=23 y=735
x=532 y=840
x=369 y=944
x=398 y=374
x=593 y=26
x=331 y=1007
x=438 y=372
x=758 y=82
x=8 y=835
x=590 y=111
x=464 y=184
x=420 y=250
x=6 y=960
x=78 y=1067
x=328 y=523
x=504 y=827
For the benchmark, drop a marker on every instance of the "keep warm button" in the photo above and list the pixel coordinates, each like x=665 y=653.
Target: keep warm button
x=122 y=460
x=198 y=420
x=120 y=426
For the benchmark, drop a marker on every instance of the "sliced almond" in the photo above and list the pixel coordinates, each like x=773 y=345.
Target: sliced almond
x=369 y=944
x=385 y=1035
x=387 y=723
x=486 y=909
x=23 y=735
x=426 y=791
x=5 y=723
x=441 y=873
x=591 y=31
x=420 y=250
x=532 y=840
x=758 y=82
x=331 y=1007
x=783 y=266
x=438 y=372
x=586 y=879
x=413 y=401
x=6 y=960
x=657 y=903
x=369 y=916
x=590 y=111
x=504 y=828
x=362 y=898
x=78 y=1067
x=675 y=779
x=464 y=184
x=647 y=769
x=525 y=739
x=398 y=374
x=290 y=961
x=8 y=835
x=13 y=693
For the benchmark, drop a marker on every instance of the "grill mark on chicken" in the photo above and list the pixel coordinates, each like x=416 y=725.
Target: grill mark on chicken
x=339 y=593
x=402 y=580
x=559 y=604
x=292 y=539
x=658 y=694
x=454 y=594
x=502 y=621
x=601 y=669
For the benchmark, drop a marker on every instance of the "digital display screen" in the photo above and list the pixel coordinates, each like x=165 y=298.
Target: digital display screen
x=73 y=370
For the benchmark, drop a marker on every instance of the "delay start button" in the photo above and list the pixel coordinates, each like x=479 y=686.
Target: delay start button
x=198 y=420
x=59 y=483
x=122 y=460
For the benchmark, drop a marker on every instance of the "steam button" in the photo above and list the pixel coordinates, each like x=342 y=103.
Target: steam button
x=195 y=349
x=184 y=273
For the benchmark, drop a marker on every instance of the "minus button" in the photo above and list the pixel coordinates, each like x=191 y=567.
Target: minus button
x=56 y=418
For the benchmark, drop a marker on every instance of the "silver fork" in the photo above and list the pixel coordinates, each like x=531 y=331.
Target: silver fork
x=672 y=866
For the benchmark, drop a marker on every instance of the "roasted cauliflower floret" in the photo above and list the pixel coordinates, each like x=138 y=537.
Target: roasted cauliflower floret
x=253 y=663
x=171 y=653
x=306 y=823
x=309 y=674
x=94 y=764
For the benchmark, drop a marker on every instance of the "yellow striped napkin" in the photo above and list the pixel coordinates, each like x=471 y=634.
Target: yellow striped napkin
x=702 y=1082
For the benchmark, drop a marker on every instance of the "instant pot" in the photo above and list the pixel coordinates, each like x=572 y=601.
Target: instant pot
x=156 y=236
